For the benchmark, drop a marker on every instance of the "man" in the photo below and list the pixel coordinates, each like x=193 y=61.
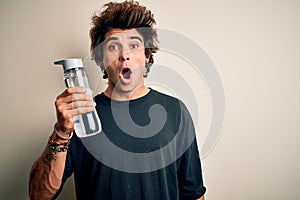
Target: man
x=122 y=44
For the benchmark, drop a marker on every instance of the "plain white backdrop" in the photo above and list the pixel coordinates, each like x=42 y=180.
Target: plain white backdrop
x=255 y=46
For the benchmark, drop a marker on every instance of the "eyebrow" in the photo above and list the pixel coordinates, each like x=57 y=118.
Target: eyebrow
x=109 y=39
x=136 y=37
x=116 y=38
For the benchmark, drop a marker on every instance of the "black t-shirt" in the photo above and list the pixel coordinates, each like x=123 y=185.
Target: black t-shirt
x=162 y=163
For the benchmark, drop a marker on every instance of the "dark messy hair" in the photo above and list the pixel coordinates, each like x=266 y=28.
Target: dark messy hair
x=125 y=15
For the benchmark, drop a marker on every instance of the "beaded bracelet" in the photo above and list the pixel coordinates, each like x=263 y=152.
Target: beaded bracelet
x=55 y=143
x=54 y=149
x=52 y=154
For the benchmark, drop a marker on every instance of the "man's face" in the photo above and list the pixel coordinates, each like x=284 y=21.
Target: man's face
x=124 y=59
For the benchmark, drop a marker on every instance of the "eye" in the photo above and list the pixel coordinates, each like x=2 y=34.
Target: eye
x=113 y=47
x=134 y=46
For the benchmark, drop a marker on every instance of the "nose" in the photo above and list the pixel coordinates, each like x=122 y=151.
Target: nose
x=124 y=54
x=124 y=57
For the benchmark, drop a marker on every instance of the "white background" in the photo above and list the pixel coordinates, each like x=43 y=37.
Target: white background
x=255 y=46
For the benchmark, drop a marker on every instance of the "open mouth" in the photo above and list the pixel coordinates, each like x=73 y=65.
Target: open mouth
x=126 y=73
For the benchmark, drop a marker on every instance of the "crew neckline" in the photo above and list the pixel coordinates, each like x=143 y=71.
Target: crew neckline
x=108 y=99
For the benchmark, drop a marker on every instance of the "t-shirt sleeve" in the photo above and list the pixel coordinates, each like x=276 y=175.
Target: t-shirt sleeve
x=190 y=179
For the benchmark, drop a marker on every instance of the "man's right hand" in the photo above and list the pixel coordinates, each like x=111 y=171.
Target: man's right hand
x=73 y=101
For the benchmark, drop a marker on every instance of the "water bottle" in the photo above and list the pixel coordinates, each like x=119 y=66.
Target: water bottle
x=75 y=76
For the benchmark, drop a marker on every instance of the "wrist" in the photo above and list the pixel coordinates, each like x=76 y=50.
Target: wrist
x=55 y=146
x=60 y=135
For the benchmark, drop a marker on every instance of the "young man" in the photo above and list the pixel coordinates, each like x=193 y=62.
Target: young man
x=123 y=43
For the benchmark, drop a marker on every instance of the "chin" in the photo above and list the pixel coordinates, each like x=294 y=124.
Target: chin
x=124 y=88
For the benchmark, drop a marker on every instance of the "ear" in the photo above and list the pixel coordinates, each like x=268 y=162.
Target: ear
x=147 y=59
x=101 y=65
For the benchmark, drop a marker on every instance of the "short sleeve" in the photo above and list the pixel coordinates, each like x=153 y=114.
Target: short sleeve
x=190 y=178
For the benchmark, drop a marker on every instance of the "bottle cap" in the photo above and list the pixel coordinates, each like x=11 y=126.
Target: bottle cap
x=71 y=63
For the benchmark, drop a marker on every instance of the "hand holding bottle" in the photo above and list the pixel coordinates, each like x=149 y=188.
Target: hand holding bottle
x=77 y=102
x=73 y=101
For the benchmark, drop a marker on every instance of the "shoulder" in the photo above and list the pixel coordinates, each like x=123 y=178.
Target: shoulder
x=102 y=98
x=163 y=97
x=168 y=99
x=173 y=105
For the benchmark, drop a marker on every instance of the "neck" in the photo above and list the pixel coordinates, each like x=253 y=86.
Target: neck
x=115 y=94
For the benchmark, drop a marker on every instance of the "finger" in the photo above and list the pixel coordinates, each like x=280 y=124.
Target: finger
x=81 y=106
x=82 y=110
x=76 y=90
x=77 y=104
x=64 y=113
x=72 y=90
x=72 y=98
x=81 y=97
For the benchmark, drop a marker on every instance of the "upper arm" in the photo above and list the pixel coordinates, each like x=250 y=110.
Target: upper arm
x=189 y=172
x=190 y=179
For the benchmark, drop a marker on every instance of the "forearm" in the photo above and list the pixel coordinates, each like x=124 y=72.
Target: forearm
x=46 y=175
